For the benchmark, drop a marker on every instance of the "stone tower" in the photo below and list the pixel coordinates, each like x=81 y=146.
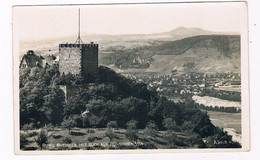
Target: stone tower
x=79 y=58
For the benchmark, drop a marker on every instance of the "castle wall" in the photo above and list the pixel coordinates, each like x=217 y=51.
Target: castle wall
x=90 y=61
x=69 y=90
x=79 y=59
x=70 y=59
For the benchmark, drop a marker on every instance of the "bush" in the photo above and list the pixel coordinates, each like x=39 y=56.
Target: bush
x=57 y=136
x=111 y=135
x=131 y=132
x=98 y=138
x=23 y=141
x=173 y=140
x=170 y=124
x=91 y=139
x=30 y=148
x=75 y=148
x=112 y=124
x=49 y=127
x=32 y=134
x=77 y=133
x=42 y=138
x=90 y=131
x=151 y=129
x=67 y=140
x=148 y=145
x=27 y=127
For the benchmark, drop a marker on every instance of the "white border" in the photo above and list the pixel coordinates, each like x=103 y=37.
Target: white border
x=6 y=116
x=245 y=98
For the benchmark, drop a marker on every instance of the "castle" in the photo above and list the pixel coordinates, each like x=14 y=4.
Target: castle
x=79 y=59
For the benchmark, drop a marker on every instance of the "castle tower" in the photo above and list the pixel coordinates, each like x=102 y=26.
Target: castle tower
x=79 y=58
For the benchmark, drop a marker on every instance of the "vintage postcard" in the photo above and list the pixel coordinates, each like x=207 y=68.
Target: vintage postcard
x=131 y=78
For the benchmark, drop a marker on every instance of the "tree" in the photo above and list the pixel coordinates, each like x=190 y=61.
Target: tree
x=111 y=135
x=112 y=124
x=151 y=129
x=131 y=132
x=170 y=124
x=53 y=106
x=35 y=86
x=70 y=122
x=42 y=138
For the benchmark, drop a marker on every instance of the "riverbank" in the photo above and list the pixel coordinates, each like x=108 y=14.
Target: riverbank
x=230 y=122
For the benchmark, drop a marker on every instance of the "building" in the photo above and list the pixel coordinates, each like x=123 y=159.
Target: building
x=48 y=60
x=30 y=60
x=79 y=59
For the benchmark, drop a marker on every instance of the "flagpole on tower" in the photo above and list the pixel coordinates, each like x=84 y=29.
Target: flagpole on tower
x=79 y=41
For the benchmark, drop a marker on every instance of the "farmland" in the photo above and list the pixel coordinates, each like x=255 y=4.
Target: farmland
x=95 y=138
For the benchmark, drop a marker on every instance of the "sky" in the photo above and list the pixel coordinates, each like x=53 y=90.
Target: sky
x=57 y=21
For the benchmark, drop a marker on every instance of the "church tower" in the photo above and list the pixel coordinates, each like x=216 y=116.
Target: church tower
x=79 y=59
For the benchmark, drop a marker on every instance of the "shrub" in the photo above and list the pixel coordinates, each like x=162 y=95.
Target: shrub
x=90 y=131
x=91 y=139
x=131 y=132
x=170 y=124
x=111 y=135
x=151 y=129
x=32 y=134
x=42 y=138
x=112 y=124
x=30 y=148
x=77 y=133
x=75 y=148
x=173 y=140
x=67 y=140
x=57 y=136
x=49 y=127
x=27 y=127
x=148 y=145
x=98 y=138
x=23 y=141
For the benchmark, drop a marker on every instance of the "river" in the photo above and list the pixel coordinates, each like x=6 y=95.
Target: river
x=230 y=122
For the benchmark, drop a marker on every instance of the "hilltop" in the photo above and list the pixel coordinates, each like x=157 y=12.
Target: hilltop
x=116 y=100
x=204 y=53
x=106 y=41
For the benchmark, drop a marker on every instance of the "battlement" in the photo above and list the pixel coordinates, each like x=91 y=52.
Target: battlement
x=79 y=58
x=73 y=45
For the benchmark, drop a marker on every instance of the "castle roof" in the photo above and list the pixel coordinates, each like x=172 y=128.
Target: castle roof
x=31 y=59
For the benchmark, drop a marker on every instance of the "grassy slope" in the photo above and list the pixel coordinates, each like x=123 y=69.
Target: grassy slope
x=55 y=144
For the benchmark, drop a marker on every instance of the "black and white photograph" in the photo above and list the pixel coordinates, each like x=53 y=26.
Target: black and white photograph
x=131 y=77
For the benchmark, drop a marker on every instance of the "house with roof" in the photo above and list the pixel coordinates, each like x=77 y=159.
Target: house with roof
x=30 y=60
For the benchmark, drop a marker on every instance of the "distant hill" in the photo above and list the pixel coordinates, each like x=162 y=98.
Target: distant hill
x=206 y=53
x=106 y=41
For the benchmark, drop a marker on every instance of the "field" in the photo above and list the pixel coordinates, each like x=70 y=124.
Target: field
x=229 y=88
x=95 y=139
x=230 y=122
x=212 y=101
